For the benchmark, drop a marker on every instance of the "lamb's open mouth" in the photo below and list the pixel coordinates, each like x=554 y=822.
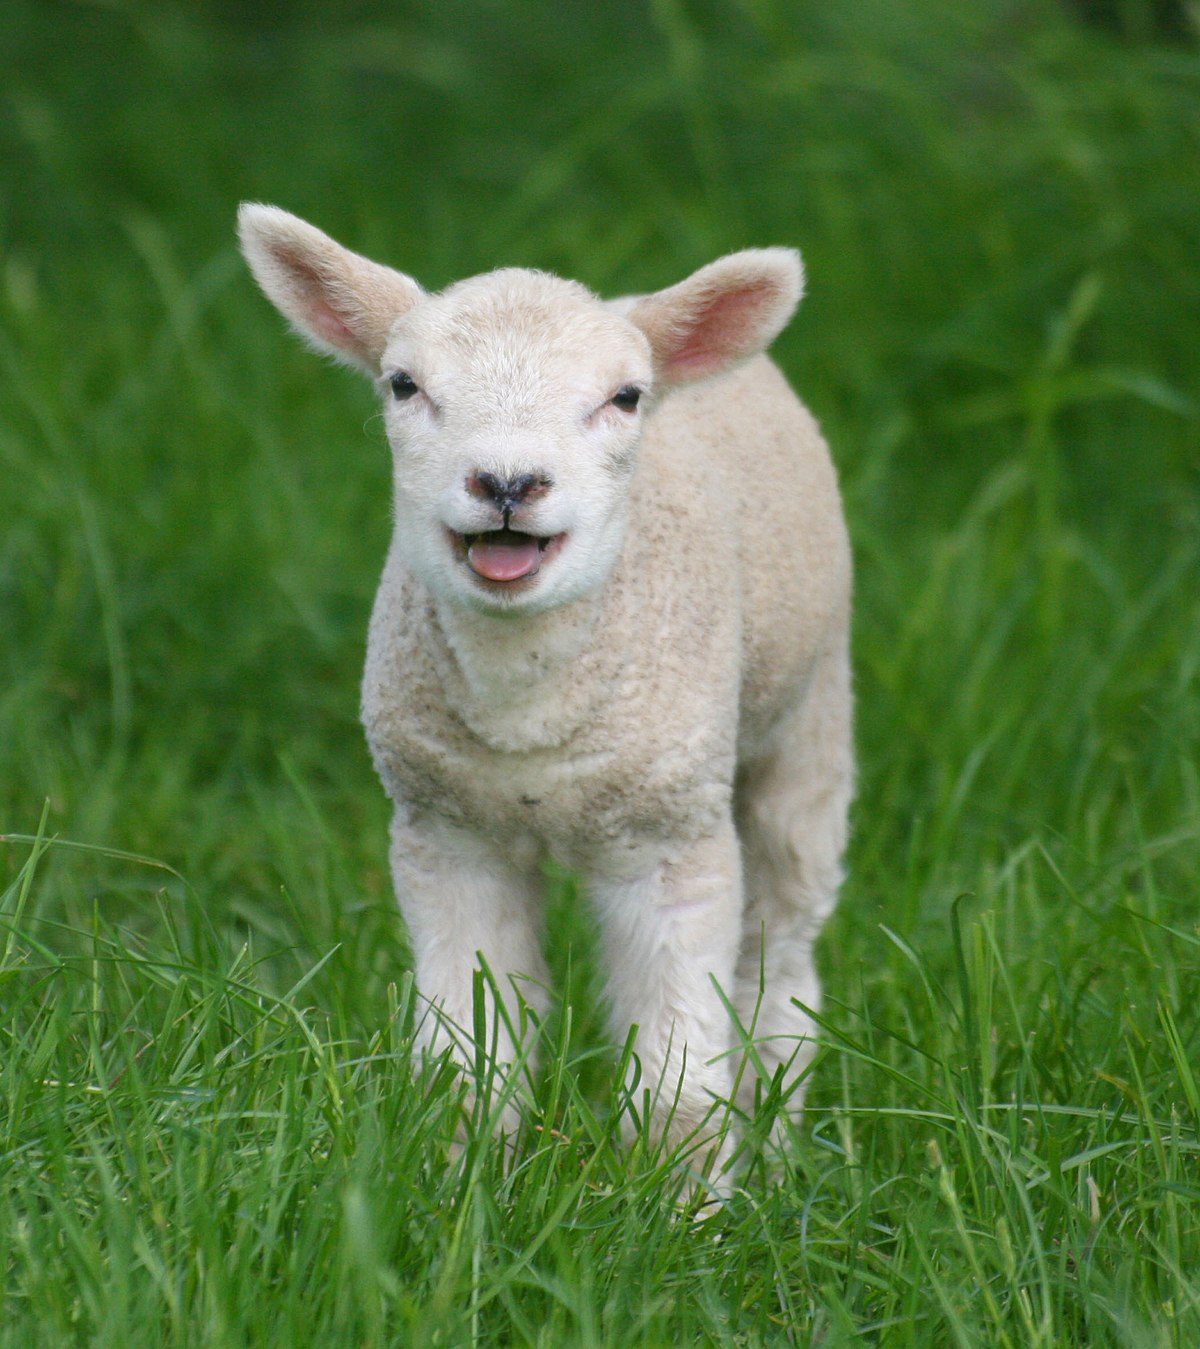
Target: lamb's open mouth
x=505 y=556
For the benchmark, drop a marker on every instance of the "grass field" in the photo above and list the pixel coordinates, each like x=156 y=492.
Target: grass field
x=210 y=1131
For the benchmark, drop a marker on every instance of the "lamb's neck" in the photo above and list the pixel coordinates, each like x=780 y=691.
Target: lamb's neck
x=524 y=681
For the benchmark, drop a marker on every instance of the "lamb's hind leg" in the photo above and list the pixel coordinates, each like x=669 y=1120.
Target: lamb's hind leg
x=792 y=803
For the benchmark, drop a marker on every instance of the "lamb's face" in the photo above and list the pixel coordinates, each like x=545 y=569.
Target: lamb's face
x=514 y=403
x=515 y=400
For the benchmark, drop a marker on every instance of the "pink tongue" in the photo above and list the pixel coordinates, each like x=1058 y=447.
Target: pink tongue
x=504 y=555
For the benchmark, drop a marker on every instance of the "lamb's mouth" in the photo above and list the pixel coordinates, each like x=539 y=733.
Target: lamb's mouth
x=506 y=557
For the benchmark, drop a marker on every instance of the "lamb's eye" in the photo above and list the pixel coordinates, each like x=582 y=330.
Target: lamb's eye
x=626 y=398
x=403 y=386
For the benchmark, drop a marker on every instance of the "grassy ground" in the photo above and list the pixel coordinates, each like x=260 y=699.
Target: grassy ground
x=209 y=1129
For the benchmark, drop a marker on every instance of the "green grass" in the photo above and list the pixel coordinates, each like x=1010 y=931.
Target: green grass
x=210 y=1130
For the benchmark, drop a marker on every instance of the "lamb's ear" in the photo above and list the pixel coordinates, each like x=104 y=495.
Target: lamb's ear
x=724 y=313
x=342 y=303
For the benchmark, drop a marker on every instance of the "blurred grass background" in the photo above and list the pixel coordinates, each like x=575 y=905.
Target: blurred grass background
x=999 y=209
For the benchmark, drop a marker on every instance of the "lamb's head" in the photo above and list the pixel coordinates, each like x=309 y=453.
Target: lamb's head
x=515 y=401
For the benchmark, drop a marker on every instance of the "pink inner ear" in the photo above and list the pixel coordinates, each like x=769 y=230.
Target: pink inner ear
x=319 y=315
x=723 y=329
x=329 y=326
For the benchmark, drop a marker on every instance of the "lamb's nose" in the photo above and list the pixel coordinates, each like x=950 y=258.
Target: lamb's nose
x=506 y=494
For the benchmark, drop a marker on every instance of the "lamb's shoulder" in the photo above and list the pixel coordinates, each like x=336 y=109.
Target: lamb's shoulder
x=767 y=475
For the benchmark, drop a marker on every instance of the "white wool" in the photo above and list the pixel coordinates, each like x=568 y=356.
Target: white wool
x=666 y=705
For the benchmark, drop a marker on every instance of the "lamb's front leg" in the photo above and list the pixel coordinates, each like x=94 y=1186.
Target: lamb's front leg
x=463 y=900
x=670 y=929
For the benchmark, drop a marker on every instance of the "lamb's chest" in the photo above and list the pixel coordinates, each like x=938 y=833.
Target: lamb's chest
x=609 y=783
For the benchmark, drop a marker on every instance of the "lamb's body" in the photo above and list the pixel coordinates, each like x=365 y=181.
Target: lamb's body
x=617 y=722
x=611 y=634
x=617 y=734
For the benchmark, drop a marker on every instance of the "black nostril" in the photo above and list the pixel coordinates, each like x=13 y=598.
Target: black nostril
x=488 y=486
x=508 y=493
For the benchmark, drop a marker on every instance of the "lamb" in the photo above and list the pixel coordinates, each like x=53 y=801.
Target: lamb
x=613 y=628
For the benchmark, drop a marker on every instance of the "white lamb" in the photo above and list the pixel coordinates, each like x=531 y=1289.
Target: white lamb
x=612 y=628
